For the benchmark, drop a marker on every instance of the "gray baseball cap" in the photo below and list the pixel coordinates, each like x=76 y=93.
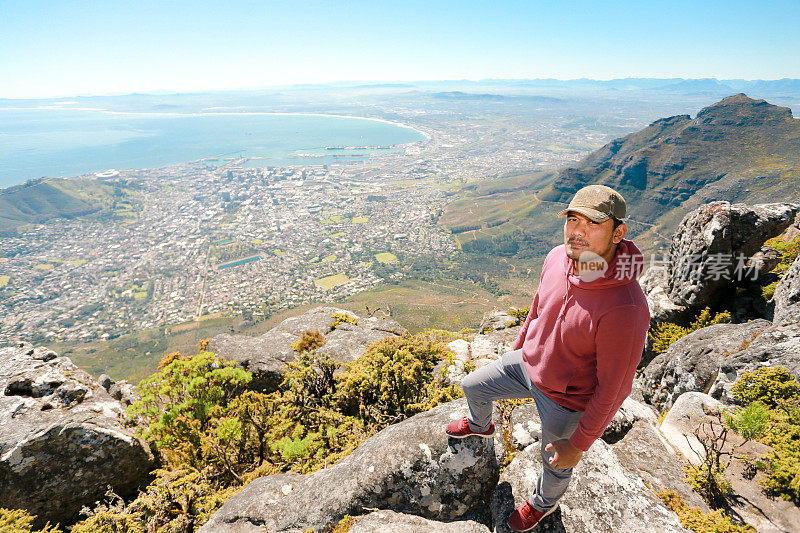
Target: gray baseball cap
x=598 y=203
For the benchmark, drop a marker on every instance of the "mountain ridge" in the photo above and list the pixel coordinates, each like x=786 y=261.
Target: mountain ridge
x=732 y=150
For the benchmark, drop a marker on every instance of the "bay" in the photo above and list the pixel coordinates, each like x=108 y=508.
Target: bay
x=68 y=142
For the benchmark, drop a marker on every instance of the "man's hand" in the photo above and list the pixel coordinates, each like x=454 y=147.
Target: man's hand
x=566 y=455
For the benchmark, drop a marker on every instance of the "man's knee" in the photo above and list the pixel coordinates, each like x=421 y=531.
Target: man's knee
x=472 y=384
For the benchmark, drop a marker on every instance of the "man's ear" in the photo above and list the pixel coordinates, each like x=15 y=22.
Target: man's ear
x=619 y=233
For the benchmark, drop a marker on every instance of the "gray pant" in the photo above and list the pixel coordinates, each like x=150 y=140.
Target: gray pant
x=507 y=378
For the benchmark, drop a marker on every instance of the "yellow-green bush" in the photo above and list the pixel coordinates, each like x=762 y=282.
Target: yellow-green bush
x=214 y=435
x=521 y=313
x=789 y=250
x=709 y=482
x=770 y=385
x=393 y=380
x=341 y=318
x=773 y=417
x=20 y=521
x=663 y=335
x=179 y=401
x=698 y=521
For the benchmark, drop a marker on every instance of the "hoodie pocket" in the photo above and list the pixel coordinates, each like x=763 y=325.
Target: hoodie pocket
x=558 y=374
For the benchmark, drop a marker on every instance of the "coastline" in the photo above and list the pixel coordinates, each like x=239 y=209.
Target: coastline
x=216 y=113
x=209 y=112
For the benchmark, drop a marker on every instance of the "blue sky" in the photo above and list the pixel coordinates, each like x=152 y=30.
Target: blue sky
x=50 y=48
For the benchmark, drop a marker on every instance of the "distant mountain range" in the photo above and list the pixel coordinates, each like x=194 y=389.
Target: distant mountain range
x=738 y=149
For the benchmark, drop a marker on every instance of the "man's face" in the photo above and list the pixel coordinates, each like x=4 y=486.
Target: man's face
x=582 y=234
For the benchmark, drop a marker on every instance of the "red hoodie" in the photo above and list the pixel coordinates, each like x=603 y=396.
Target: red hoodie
x=582 y=341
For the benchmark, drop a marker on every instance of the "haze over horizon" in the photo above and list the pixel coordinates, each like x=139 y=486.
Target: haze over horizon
x=56 y=49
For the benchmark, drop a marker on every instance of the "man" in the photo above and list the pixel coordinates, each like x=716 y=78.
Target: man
x=576 y=353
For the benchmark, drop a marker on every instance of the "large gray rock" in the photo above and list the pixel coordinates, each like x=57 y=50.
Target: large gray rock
x=787 y=296
x=390 y=521
x=645 y=452
x=777 y=345
x=689 y=412
x=266 y=355
x=655 y=285
x=63 y=438
x=410 y=467
x=603 y=496
x=719 y=228
x=691 y=364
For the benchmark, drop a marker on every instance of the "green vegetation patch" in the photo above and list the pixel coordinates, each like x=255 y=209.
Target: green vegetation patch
x=4 y=281
x=665 y=334
x=78 y=262
x=789 y=250
x=44 y=266
x=386 y=257
x=772 y=416
x=359 y=220
x=698 y=521
x=329 y=282
x=214 y=430
x=329 y=258
x=20 y=521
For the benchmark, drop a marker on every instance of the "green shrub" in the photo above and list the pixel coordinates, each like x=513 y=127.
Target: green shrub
x=180 y=400
x=773 y=416
x=214 y=435
x=444 y=336
x=341 y=318
x=392 y=380
x=708 y=480
x=663 y=335
x=751 y=422
x=769 y=385
x=182 y=499
x=768 y=291
x=521 y=313
x=19 y=521
x=697 y=520
x=789 y=250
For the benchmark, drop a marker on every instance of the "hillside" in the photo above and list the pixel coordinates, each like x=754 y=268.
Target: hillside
x=38 y=200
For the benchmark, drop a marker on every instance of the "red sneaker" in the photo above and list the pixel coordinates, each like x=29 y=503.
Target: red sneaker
x=459 y=429
x=525 y=517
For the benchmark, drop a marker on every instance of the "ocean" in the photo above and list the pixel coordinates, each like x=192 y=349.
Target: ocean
x=50 y=142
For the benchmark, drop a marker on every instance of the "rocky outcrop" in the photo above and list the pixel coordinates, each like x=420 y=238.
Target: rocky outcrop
x=691 y=364
x=480 y=351
x=410 y=467
x=63 y=438
x=645 y=452
x=265 y=356
x=121 y=390
x=390 y=521
x=602 y=497
x=497 y=320
x=706 y=247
